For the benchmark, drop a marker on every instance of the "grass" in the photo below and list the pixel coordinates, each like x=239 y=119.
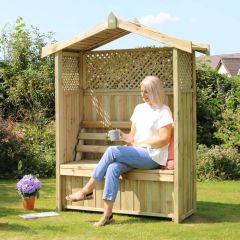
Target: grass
x=217 y=217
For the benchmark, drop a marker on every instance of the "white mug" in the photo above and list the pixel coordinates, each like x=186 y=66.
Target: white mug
x=114 y=134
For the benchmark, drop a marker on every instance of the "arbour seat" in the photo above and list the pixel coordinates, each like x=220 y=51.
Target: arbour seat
x=85 y=167
x=141 y=192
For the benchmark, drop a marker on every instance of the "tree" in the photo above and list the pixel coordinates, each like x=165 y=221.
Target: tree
x=218 y=101
x=228 y=130
x=210 y=96
x=26 y=80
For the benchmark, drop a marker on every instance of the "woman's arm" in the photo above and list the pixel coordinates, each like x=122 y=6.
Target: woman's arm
x=128 y=137
x=164 y=138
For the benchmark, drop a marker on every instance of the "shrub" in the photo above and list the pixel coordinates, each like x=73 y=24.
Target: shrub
x=12 y=150
x=27 y=149
x=218 y=101
x=209 y=105
x=40 y=143
x=229 y=129
x=217 y=163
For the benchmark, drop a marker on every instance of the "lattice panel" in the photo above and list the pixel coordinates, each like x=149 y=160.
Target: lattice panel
x=70 y=78
x=126 y=69
x=185 y=70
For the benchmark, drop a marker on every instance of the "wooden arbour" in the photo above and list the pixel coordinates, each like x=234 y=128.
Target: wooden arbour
x=96 y=90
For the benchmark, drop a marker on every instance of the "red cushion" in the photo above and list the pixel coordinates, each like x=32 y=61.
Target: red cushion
x=170 y=161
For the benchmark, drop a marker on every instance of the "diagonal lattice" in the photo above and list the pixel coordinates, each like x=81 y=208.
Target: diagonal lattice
x=126 y=69
x=70 y=77
x=185 y=70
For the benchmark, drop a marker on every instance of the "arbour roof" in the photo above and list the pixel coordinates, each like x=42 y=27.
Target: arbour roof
x=113 y=28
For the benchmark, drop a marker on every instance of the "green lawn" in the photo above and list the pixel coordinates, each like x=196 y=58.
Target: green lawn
x=217 y=217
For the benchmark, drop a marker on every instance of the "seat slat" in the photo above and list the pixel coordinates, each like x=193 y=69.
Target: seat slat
x=100 y=124
x=92 y=148
x=134 y=175
x=81 y=164
x=91 y=164
x=93 y=136
x=85 y=167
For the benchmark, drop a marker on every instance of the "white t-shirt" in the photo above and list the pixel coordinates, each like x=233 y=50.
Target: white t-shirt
x=148 y=120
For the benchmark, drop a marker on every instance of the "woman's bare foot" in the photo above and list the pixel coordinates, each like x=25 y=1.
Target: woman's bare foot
x=79 y=196
x=104 y=220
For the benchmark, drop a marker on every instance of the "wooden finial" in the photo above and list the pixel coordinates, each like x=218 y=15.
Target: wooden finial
x=136 y=21
x=208 y=51
x=112 y=20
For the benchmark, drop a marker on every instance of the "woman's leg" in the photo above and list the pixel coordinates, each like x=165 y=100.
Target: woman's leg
x=133 y=157
x=108 y=206
x=130 y=156
x=97 y=175
x=85 y=193
x=117 y=160
x=114 y=170
x=90 y=185
x=107 y=217
x=113 y=173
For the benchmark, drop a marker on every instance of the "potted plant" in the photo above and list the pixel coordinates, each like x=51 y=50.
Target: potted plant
x=28 y=188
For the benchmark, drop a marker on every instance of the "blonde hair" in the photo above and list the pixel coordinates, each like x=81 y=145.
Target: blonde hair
x=154 y=87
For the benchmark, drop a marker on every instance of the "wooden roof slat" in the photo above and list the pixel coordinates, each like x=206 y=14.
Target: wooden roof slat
x=107 y=41
x=87 y=46
x=65 y=44
x=200 y=47
x=148 y=33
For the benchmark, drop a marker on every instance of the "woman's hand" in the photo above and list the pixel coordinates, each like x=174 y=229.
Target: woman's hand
x=131 y=144
x=128 y=137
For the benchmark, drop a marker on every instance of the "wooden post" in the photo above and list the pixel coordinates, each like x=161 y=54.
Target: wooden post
x=194 y=135
x=176 y=135
x=59 y=126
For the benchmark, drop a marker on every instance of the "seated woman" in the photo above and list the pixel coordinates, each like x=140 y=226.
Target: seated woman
x=147 y=147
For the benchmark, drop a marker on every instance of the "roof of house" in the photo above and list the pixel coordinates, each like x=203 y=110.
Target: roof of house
x=232 y=65
x=215 y=59
x=113 y=28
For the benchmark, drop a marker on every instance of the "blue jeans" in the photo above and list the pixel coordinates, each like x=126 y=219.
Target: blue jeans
x=117 y=160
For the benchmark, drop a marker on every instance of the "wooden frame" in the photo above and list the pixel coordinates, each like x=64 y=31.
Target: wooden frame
x=89 y=86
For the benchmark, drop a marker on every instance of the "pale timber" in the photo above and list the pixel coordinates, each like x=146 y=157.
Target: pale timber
x=97 y=91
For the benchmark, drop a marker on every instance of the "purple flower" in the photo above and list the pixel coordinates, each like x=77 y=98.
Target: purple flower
x=37 y=184
x=28 y=185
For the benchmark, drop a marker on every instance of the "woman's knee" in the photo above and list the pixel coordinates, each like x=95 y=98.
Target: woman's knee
x=112 y=151
x=114 y=169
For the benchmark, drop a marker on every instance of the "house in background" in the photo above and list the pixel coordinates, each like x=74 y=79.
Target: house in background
x=228 y=64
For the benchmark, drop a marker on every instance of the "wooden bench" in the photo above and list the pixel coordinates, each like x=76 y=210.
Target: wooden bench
x=141 y=192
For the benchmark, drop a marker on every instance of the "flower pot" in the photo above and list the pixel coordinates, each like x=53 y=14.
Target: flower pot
x=28 y=203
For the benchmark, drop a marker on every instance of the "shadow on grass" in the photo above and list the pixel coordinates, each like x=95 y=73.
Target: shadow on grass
x=17 y=211
x=133 y=220
x=207 y=212
x=13 y=227
x=21 y=228
x=10 y=212
x=214 y=212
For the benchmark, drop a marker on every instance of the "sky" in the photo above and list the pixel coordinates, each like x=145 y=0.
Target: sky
x=213 y=22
